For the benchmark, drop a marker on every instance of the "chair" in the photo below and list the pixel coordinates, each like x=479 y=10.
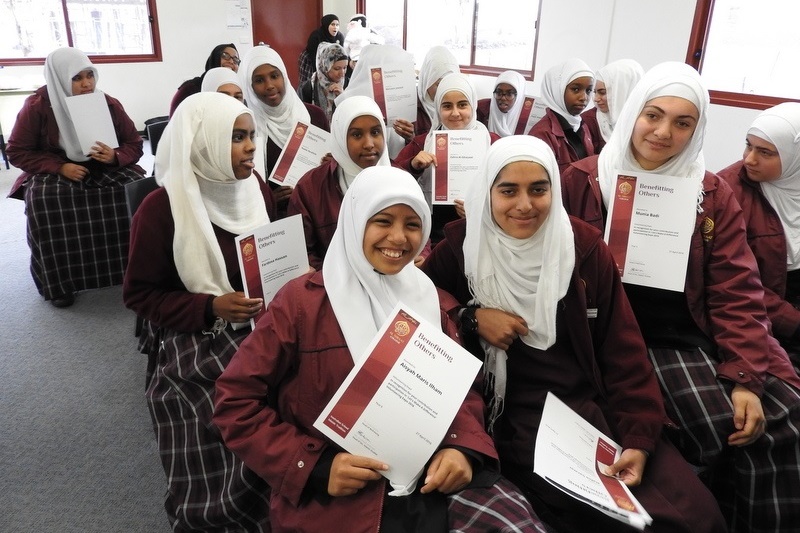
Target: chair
x=155 y=127
x=135 y=192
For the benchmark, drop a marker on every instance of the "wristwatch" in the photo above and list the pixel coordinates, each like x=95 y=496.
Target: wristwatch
x=469 y=323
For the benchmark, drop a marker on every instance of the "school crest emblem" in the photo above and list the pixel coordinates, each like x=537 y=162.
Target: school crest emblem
x=401 y=328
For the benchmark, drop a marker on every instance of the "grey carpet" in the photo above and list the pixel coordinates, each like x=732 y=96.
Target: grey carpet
x=77 y=451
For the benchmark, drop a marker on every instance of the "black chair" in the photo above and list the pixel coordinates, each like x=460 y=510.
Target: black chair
x=135 y=192
x=155 y=127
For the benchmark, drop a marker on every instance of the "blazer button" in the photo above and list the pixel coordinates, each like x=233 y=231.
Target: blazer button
x=741 y=374
x=453 y=436
x=300 y=464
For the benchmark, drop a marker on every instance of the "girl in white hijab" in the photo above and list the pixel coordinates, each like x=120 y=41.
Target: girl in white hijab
x=321 y=325
x=223 y=80
x=183 y=278
x=613 y=83
x=505 y=124
x=544 y=305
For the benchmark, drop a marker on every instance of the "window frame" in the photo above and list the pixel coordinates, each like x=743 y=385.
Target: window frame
x=472 y=68
x=96 y=59
x=694 y=57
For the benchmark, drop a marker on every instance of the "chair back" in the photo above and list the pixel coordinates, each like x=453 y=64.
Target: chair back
x=135 y=192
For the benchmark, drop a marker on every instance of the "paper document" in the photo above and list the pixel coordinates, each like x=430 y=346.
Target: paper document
x=402 y=395
x=394 y=90
x=459 y=161
x=270 y=256
x=92 y=120
x=650 y=223
x=303 y=151
x=570 y=454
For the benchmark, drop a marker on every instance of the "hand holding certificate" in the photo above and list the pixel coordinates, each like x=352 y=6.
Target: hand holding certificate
x=459 y=158
x=303 y=151
x=270 y=256
x=571 y=455
x=413 y=372
x=92 y=120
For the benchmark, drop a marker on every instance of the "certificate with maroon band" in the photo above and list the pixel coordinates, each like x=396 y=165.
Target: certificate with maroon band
x=459 y=160
x=270 y=256
x=304 y=150
x=571 y=454
x=394 y=90
x=650 y=223
x=529 y=115
x=401 y=396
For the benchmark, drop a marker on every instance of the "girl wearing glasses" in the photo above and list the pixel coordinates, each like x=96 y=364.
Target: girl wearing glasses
x=223 y=55
x=501 y=113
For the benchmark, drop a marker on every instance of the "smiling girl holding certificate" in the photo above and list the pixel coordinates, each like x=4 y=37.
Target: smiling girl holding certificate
x=544 y=306
x=728 y=384
x=301 y=351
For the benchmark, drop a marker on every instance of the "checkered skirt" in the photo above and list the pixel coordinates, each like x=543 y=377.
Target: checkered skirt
x=208 y=487
x=500 y=508
x=78 y=231
x=758 y=485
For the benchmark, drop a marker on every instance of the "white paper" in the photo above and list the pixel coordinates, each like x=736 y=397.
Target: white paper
x=399 y=400
x=459 y=162
x=663 y=214
x=567 y=447
x=92 y=120
x=304 y=151
x=399 y=91
x=270 y=256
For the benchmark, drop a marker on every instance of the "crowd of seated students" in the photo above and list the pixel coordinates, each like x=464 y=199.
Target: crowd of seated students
x=700 y=387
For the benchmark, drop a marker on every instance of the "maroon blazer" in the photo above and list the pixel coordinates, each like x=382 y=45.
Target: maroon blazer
x=550 y=131
x=33 y=144
x=590 y=120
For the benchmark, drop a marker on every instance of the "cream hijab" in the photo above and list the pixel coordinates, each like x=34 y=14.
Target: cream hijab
x=555 y=82
x=780 y=125
x=361 y=297
x=276 y=122
x=193 y=164
x=438 y=62
x=666 y=79
x=59 y=69
x=505 y=124
x=619 y=77
x=219 y=76
x=525 y=277
x=345 y=114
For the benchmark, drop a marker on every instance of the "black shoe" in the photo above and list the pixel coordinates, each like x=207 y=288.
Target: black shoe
x=65 y=300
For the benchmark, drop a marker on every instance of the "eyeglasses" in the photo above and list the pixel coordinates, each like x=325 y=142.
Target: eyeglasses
x=505 y=94
x=226 y=56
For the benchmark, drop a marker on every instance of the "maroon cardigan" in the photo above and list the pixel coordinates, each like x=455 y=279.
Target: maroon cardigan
x=550 y=131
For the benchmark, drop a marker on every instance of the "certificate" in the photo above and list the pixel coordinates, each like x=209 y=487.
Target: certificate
x=401 y=397
x=649 y=229
x=92 y=120
x=304 y=150
x=570 y=454
x=459 y=161
x=270 y=256
x=531 y=113
x=394 y=90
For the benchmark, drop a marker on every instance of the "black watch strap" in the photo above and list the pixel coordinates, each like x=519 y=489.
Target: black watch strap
x=468 y=321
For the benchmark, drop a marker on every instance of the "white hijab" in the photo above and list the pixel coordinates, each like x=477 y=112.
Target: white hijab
x=438 y=62
x=361 y=297
x=345 y=114
x=276 y=122
x=59 y=69
x=219 y=76
x=505 y=124
x=619 y=77
x=555 y=82
x=193 y=164
x=671 y=78
x=780 y=125
x=451 y=82
x=525 y=277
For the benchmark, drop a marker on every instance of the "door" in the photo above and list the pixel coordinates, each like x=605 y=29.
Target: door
x=285 y=26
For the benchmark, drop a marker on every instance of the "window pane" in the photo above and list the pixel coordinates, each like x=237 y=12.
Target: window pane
x=440 y=22
x=750 y=50
x=506 y=33
x=386 y=18
x=110 y=27
x=31 y=28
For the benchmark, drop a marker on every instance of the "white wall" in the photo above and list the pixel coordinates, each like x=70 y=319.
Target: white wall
x=597 y=31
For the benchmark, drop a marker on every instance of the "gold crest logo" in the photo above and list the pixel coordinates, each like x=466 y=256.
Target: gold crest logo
x=401 y=328
x=441 y=142
x=528 y=104
x=248 y=249
x=299 y=132
x=376 y=75
x=707 y=229
x=625 y=188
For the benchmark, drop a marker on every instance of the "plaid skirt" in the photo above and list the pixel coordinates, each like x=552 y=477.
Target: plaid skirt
x=208 y=487
x=758 y=485
x=500 y=508
x=78 y=231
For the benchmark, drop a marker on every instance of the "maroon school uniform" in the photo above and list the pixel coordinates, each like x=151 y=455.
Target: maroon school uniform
x=589 y=118
x=550 y=130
